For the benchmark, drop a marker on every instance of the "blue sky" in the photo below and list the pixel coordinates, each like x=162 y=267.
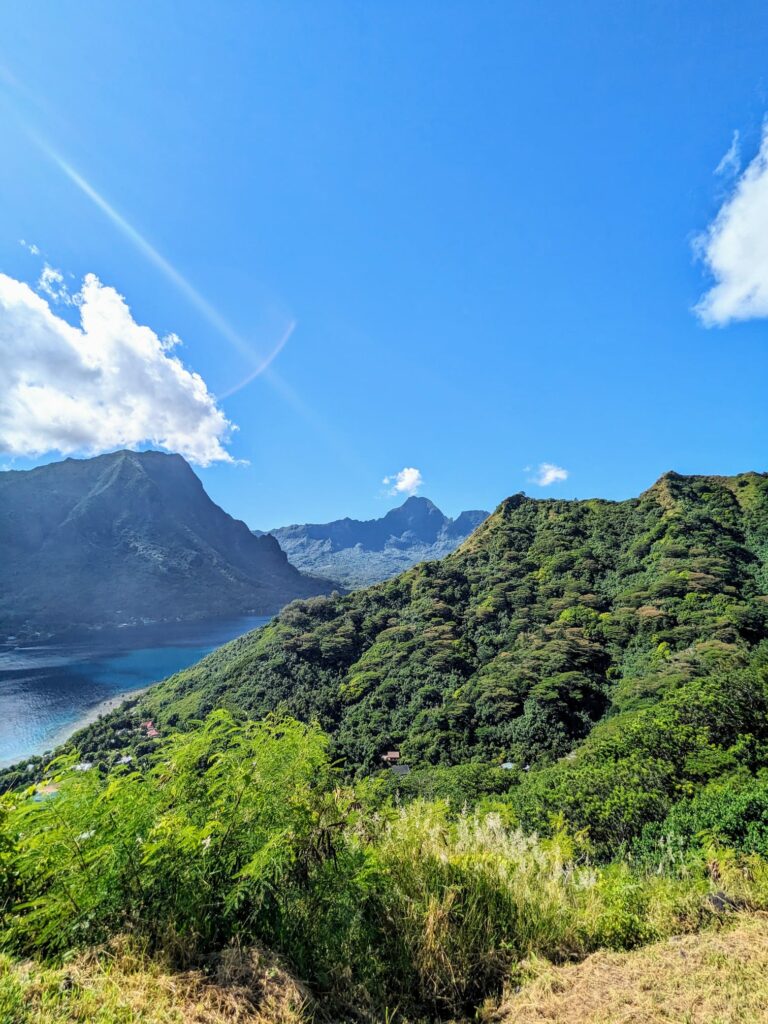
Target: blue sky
x=471 y=227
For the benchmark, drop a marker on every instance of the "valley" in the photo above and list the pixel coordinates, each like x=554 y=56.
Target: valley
x=383 y=513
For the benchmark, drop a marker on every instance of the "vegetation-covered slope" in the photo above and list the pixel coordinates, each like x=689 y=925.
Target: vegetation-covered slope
x=551 y=617
x=126 y=537
x=357 y=553
x=614 y=652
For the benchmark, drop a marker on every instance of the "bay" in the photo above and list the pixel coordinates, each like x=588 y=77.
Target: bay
x=50 y=689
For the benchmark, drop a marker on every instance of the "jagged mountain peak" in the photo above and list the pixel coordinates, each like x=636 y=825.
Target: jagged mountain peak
x=357 y=552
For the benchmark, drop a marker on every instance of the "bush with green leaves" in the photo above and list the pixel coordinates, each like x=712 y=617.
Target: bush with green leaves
x=188 y=853
x=635 y=767
x=732 y=812
x=242 y=831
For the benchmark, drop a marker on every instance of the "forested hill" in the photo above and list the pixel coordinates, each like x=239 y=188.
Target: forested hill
x=552 y=616
x=357 y=552
x=126 y=537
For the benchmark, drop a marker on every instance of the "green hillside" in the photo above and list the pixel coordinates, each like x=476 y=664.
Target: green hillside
x=613 y=652
x=551 y=617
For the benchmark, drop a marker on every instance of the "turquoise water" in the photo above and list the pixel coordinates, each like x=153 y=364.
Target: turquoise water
x=47 y=689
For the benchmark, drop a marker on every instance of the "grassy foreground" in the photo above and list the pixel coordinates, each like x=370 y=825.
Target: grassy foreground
x=120 y=986
x=716 y=977
x=713 y=977
x=244 y=836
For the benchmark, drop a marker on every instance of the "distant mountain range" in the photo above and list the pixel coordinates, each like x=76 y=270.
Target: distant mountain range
x=358 y=552
x=130 y=537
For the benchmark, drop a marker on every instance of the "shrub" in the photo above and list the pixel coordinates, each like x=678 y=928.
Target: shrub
x=240 y=832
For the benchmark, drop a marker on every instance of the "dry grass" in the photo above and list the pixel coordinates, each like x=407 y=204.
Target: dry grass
x=713 y=977
x=709 y=978
x=120 y=987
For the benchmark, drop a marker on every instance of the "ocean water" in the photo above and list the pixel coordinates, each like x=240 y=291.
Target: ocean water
x=48 y=689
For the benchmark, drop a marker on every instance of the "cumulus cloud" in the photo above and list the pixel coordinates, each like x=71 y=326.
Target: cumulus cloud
x=407 y=481
x=735 y=249
x=106 y=383
x=548 y=473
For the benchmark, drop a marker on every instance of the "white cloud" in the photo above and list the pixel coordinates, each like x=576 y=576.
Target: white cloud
x=407 y=481
x=51 y=283
x=735 y=249
x=30 y=247
x=104 y=384
x=730 y=162
x=548 y=473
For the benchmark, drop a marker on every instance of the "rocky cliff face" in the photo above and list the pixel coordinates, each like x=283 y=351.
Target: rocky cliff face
x=127 y=537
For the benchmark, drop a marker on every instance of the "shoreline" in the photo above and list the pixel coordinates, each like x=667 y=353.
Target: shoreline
x=128 y=662
x=88 y=717
x=94 y=713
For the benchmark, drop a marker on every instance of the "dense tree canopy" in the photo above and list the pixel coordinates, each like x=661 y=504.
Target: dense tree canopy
x=551 y=617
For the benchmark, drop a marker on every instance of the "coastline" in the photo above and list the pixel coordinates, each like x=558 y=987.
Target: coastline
x=66 y=732
x=124 y=664
x=94 y=713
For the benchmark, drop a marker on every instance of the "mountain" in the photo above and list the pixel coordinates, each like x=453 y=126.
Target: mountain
x=126 y=537
x=360 y=552
x=620 y=637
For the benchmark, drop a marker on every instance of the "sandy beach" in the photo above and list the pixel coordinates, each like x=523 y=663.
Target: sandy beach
x=102 y=708
x=91 y=715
